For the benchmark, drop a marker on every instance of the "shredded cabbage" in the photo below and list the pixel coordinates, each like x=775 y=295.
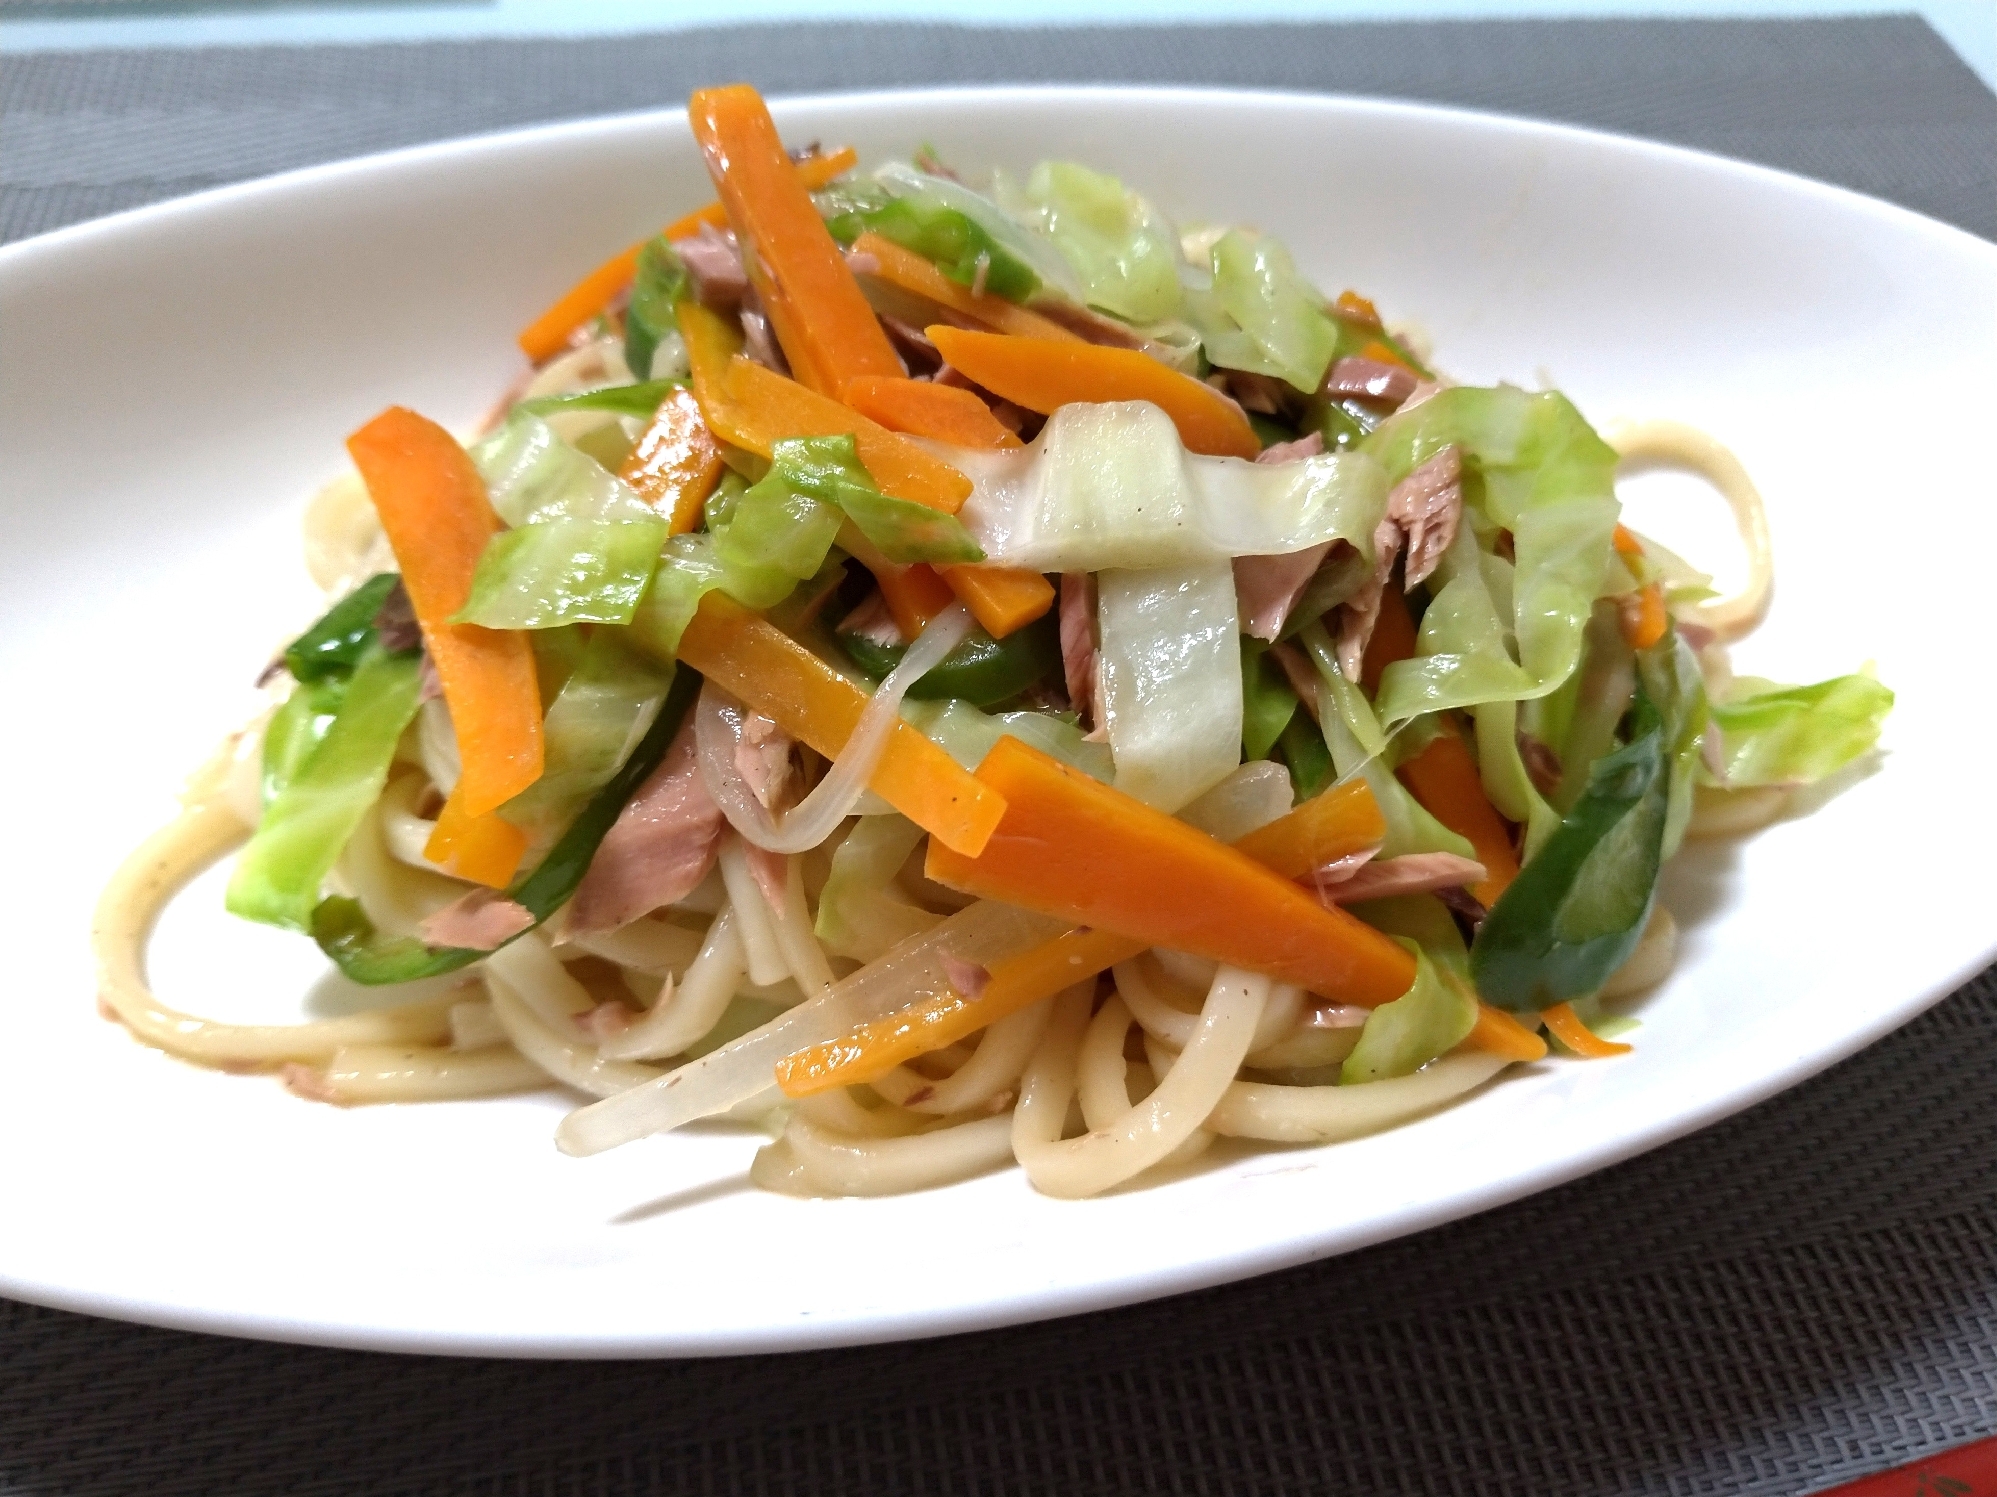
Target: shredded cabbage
x=859 y=912
x=1057 y=278
x=582 y=546
x=1435 y=1013
x=1792 y=735
x=1125 y=253
x=1260 y=315
x=1110 y=485
x=1171 y=678
x=1498 y=630
x=967 y=734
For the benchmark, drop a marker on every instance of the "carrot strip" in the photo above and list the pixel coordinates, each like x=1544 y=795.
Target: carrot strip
x=1071 y=847
x=1382 y=352
x=945 y=413
x=712 y=342
x=756 y=408
x=1343 y=820
x=908 y=271
x=1393 y=637
x=914 y=594
x=749 y=656
x=1565 y=1025
x=1000 y=598
x=543 y=338
x=433 y=505
x=485 y=849
x=1043 y=375
x=1643 y=617
x=813 y=172
x=676 y=463
x=872 y=1050
x=1626 y=542
x=1444 y=779
x=1501 y=1034
x=1357 y=307
x=1340 y=821
x=828 y=331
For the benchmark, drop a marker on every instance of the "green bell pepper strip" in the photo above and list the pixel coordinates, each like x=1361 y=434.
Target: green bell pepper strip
x=1304 y=750
x=1267 y=700
x=335 y=644
x=302 y=832
x=640 y=400
x=1578 y=908
x=659 y=284
x=981 y=670
x=344 y=932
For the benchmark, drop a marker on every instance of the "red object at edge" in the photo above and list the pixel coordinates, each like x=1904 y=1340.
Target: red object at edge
x=1966 y=1471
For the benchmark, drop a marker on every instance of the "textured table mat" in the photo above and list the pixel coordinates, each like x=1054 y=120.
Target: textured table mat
x=1792 y=1298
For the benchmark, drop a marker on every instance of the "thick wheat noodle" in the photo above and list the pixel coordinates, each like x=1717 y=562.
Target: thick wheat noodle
x=655 y=947
x=1175 y=1026
x=1324 y=1114
x=1103 y=1077
x=127 y=910
x=838 y=1112
x=396 y=896
x=832 y=1164
x=1688 y=447
x=792 y=926
x=387 y=1073
x=569 y=1060
x=1146 y=1133
x=995 y=1065
x=755 y=921
x=691 y=1006
x=531 y=970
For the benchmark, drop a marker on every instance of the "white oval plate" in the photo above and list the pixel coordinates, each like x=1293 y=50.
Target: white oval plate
x=176 y=381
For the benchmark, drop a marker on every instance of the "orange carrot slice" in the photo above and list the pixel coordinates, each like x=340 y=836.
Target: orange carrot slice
x=744 y=653
x=1565 y=1025
x=756 y=408
x=1342 y=820
x=1643 y=617
x=677 y=461
x=433 y=505
x=1002 y=599
x=1499 y=1033
x=813 y=172
x=1626 y=542
x=1072 y=847
x=945 y=413
x=485 y=849
x=1043 y=375
x=1444 y=779
x=543 y=338
x=907 y=270
x=828 y=331
x=1393 y=637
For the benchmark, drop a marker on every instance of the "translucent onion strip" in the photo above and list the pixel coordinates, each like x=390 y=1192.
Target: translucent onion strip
x=718 y=725
x=985 y=933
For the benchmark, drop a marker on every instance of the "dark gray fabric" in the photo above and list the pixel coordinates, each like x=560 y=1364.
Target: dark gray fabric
x=1879 y=104
x=1794 y=1297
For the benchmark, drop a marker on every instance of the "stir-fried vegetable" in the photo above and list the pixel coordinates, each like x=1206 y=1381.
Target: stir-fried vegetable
x=433 y=504
x=981 y=670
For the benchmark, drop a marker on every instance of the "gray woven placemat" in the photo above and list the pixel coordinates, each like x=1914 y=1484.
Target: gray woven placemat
x=1795 y=1297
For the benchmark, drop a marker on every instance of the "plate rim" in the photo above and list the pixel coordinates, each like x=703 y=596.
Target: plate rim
x=1253 y=1259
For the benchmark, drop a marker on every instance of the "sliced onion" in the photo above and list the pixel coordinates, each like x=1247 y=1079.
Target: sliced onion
x=717 y=727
